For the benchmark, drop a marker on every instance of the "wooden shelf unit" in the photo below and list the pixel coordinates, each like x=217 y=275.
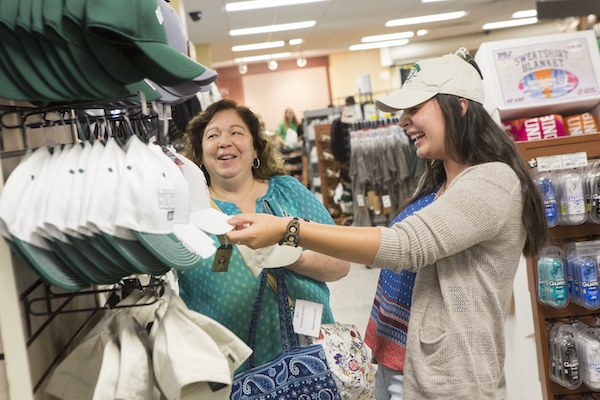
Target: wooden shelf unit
x=328 y=183
x=543 y=315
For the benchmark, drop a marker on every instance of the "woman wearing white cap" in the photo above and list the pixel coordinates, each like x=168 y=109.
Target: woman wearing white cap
x=462 y=233
x=242 y=169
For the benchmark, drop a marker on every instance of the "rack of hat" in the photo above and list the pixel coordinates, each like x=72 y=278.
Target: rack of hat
x=75 y=77
x=554 y=116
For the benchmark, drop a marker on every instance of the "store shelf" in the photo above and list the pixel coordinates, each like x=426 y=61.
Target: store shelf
x=544 y=315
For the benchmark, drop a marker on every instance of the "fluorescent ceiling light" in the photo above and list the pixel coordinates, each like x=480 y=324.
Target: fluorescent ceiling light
x=525 y=14
x=258 y=46
x=426 y=18
x=255 y=4
x=422 y=32
x=509 y=24
x=390 y=36
x=431 y=1
x=263 y=57
x=272 y=28
x=294 y=42
x=378 y=45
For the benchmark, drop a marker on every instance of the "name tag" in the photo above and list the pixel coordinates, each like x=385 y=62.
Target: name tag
x=307 y=318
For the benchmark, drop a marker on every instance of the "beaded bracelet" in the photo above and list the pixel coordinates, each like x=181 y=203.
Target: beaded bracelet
x=292 y=233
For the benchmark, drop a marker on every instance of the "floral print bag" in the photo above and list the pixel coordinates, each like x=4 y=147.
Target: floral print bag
x=348 y=359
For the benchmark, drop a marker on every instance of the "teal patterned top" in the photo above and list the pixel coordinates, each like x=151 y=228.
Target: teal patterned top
x=228 y=297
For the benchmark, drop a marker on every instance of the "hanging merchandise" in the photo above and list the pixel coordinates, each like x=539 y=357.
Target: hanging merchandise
x=552 y=288
x=545 y=181
x=382 y=169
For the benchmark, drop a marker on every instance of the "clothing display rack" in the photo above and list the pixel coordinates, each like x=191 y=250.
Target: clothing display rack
x=33 y=312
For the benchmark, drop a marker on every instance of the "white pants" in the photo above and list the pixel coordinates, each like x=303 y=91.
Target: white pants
x=389 y=384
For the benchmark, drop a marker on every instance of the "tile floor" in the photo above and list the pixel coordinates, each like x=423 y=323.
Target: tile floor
x=352 y=298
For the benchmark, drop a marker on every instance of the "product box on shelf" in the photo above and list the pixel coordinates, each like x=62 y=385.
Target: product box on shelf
x=542 y=75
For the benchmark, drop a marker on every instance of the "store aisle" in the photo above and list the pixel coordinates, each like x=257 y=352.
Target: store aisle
x=352 y=298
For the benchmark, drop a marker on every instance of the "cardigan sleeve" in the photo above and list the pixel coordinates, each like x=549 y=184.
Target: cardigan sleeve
x=482 y=203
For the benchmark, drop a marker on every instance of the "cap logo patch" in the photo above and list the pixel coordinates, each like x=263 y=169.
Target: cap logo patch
x=413 y=71
x=166 y=199
x=159 y=15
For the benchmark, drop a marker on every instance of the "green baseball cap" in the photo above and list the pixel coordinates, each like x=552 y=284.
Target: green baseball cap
x=14 y=61
x=112 y=58
x=46 y=58
x=22 y=56
x=38 y=31
x=61 y=29
x=137 y=28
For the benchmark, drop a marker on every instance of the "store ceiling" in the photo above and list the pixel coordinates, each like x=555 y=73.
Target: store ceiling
x=339 y=23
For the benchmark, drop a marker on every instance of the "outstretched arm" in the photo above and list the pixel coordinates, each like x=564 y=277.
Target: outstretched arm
x=354 y=244
x=320 y=267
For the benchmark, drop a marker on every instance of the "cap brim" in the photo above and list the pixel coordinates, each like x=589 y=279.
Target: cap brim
x=100 y=259
x=211 y=221
x=48 y=265
x=137 y=255
x=195 y=239
x=201 y=83
x=403 y=99
x=81 y=265
x=274 y=256
x=165 y=65
x=169 y=250
x=283 y=256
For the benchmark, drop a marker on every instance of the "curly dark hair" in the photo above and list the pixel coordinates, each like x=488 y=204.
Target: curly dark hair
x=271 y=163
x=475 y=138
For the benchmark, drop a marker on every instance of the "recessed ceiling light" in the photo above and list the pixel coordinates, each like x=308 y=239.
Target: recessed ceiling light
x=272 y=65
x=272 y=28
x=422 y=32
x=378 y=45
x=255 y=4
x=294 y=42
x=262 y=57
x=389 y=36
x=301 y=62
x=426 y=18
x=509 y=24
x=524 y=14
x=243 y=68
x=258 y=46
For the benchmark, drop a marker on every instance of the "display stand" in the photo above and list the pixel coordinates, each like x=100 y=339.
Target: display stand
x=544 y=315
x=521 y=80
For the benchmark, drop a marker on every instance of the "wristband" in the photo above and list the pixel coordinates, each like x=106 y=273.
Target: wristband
x=292 y=233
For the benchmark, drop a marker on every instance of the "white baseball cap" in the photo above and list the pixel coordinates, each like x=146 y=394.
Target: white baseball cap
x=54 y=219
x=93 y=364
x=135 y=381
x=189 y=234
x=202 y=214
x=187 y=362
x=450 y=74
x=27 y=181
x=273 y=256
x=146 y=205
x=104 y=197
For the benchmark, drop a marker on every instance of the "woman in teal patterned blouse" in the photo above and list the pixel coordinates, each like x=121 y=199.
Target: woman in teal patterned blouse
x=242 y=169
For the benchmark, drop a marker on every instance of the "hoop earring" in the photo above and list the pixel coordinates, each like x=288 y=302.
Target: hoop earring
x=256 y=163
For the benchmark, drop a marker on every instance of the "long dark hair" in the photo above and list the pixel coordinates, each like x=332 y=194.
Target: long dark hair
x=271 y=164
x=476 y=138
